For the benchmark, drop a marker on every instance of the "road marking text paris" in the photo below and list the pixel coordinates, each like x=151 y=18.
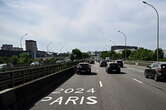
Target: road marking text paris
x=75 y=100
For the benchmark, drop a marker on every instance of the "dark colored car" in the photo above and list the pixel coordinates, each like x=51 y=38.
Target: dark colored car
x=157 y=71
x=113 y=68
x=103 y=64
x=120 y=63
x=83 y=68
x=92 y=62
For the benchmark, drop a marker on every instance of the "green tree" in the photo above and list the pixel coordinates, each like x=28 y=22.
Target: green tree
x=52 y=60
x=113 y=55
x=105 y=54
x=85 y=55
x=24 y=58
x=116 y=56
x=146 y=55
x=4 y=60
x=72 y=57
x=127 y=51
x=1 y=60
x=141 y=54
x=14 y=60
x=133 y=55
x=76 y=54
x=161 y=54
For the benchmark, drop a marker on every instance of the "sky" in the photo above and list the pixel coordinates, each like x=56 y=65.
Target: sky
x=89 y=25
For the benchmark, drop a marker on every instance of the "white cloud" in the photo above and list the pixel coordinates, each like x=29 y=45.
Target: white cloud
x=84 y=24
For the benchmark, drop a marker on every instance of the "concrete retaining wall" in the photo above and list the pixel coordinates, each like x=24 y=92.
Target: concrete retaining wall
x=25 y=96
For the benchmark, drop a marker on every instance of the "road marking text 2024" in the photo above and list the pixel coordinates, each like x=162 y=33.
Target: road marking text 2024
x=75 y=91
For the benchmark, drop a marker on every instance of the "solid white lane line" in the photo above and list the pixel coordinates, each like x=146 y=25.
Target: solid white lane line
x=138 y=80
x=100 y=83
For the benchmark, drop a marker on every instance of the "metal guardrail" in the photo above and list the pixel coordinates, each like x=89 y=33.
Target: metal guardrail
x=140 y=63
x=16 y=67
x=13 y=78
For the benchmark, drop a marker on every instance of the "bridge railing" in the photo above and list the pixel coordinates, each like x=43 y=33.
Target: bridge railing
x=13 y=78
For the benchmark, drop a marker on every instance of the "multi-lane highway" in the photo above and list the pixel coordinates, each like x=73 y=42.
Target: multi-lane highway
x=101 y=91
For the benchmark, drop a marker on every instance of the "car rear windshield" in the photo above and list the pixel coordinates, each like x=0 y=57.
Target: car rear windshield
x=119 y=61
x=114 y=65
x=84 y=65
x=103 y=62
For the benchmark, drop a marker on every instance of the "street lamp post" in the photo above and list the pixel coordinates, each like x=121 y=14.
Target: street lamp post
x=22 y=37
x=157 y=28
x=110 y=45
x=125 y=41
x=47 y=47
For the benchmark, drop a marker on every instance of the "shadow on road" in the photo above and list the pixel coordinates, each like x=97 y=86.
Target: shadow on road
x=117 y=73
x=162 y=80
x=125 y=67
x=123 y=73
x=92 y=73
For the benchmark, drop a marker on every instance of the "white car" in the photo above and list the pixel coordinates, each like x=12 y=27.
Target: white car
x=60 y=61
x=36 y=63
x=2 y=66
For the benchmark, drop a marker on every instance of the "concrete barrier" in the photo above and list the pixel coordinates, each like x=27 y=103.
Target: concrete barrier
x=10 y=79
x=23 y=97
x=139 y=63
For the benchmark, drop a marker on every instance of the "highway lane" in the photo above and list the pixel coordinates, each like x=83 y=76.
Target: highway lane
x=102 y=91
x=138 y=72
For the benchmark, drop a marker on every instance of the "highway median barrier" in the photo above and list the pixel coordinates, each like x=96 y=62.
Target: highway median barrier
x=139 y=63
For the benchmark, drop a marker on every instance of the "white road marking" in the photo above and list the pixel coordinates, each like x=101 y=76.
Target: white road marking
x=46 y=99
x=100 y=83
x=97 y=70
x=138 y=80
x=73 y=99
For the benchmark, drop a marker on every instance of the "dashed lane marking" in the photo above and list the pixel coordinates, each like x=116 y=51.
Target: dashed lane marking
x=137 y=80
x=100 y=83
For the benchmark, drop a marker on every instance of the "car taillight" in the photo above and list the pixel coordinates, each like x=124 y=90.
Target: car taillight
x=79 y=66
x=159 y=70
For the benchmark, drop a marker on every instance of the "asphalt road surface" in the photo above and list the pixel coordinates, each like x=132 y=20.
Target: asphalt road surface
x=101 y=91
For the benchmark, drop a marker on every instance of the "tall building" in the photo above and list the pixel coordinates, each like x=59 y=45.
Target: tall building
x=31 y=46
x=8 y=50
x=17 y=49
x=9 y=47
x=121 y=47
